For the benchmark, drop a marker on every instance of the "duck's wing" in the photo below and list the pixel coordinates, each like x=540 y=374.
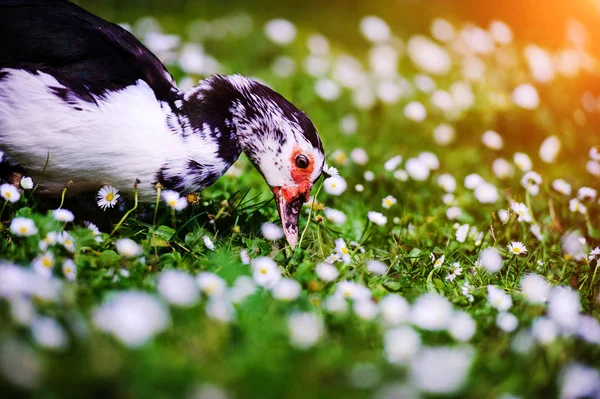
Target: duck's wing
x=85 y=53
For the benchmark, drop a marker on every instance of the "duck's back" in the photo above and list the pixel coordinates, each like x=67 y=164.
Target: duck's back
x=82 y=51
x=80 y=98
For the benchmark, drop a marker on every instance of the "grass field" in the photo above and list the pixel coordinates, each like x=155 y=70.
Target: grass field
x=456 y=253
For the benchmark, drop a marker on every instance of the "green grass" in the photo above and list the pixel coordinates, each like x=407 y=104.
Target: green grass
x=252 y=356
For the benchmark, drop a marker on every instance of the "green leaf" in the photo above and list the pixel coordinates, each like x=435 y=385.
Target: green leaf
x=108 y=258
x=164 y=232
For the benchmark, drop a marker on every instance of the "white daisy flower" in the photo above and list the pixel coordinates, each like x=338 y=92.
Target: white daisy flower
x=522 y=211
x=305 y=329
x=503 y=214
x=210 y=284
x=128 y=248
x=429 y=159
x=377 y=267
x=502 y=168
x=444 y=134
x=134 y=317
x=359 y=156
x=490 y=259
x=417 y=169
x=66 y=241
x=327 y=272
x=517 y=248
x=415 y=111
x=377 y=218
x=43 y=264
x=178 y=288
x=447 y=182
x=486 y=193
x=342 y=250
x=174 y=200
x=467 y=291
x=95 y=231
x=400 y=175
x=265 y=272
x=507 y=322
x=535 y=288
x=388 y=202
x=437 y=262
x=330 y=170
x=586 y=193
x=492 y=140
x=576 y=206
x=271 y=231
x=349 y=124
x=594 y=254
x=461 y=233
x=561 y=186
x=23 y=227
x=26 y=183
x=454 y=212
x=107 y=197
x=549 y=149
x=392 y=163
x=51 y=238
x=339 y=157
x=593 y=167
x=531 y=182
x=369 y=175
x=498 y=298
x=286 y=290
x=522 y=161
x=63 y=215
x=352 y=290
x=208 y=243
x=375 y=29
x=69 y=269
x=280 y=31
x=335 y=216
x=472 y=181
x=526 y=96
x=9 y=193
x=335 y=185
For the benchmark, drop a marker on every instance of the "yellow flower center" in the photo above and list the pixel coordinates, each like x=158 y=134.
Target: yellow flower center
x=340 y=158
x=263 y=271
x=333 y=185
x=516 y=250
x=347 y=294
x=110 y=197
x=68 y=270
x=47 y=262
x=7 y=195
x=172 y=202
x=345 y=251
x=68 y=243
x=388 y=202
x=210 y=288
x=23 y=229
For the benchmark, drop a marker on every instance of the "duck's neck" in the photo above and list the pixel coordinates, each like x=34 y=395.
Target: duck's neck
x=209 y=140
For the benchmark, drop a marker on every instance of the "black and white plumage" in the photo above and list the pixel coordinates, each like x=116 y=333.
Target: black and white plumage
x=89 y=98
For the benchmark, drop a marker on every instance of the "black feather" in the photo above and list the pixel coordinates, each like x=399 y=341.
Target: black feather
x=82 y=51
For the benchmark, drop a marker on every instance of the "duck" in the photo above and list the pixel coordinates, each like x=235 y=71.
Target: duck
x=83 y=102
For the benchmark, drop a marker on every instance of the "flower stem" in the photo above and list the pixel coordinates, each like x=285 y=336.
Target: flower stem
x=135 y=205
x=310 y=215
x=2 y=211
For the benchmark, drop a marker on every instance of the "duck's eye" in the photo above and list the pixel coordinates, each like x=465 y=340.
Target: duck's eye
x=302 y=161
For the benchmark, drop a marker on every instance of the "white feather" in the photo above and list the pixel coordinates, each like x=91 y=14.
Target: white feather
x=123 y=138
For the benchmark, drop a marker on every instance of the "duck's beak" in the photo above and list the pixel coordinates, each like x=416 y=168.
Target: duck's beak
x=289 y=203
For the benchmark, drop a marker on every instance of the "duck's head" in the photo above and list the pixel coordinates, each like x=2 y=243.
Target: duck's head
x=279 y=139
